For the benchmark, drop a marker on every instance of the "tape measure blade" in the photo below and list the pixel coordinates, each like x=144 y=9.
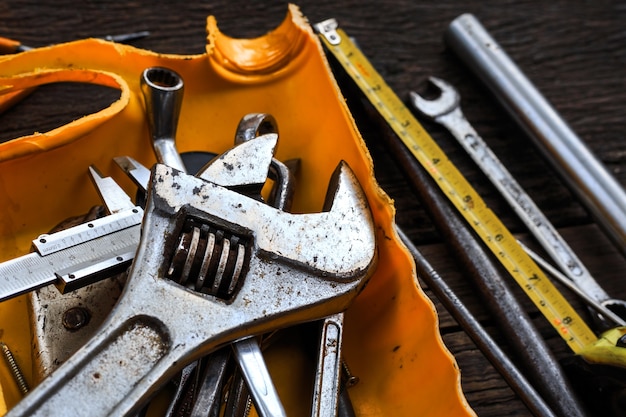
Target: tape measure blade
x=555 y=308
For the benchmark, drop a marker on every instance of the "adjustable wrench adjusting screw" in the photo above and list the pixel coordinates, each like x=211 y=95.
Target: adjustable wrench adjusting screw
x=209 y=259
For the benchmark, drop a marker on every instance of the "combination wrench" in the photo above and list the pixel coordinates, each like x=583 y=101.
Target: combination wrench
x=598 y=190
x=446 y=110
x=283 y=272
x=163 y=90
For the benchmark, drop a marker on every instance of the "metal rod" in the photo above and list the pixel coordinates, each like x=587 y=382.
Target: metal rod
x=585 y=175
x=543 y=369
x=516 y=380
x=590 y=301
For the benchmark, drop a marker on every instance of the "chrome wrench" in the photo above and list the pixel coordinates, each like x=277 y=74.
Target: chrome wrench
x=288 y=276
x=598 y=190
x=446 y=110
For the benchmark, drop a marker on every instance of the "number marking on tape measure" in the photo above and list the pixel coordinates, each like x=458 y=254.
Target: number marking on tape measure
x=550 y=302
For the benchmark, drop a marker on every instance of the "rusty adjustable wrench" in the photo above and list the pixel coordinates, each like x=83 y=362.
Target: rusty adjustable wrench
x=295 y=268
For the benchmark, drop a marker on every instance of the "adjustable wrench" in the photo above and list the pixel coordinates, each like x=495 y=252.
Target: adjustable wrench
x=287 y=269
x=446 y=110
x=327 y=379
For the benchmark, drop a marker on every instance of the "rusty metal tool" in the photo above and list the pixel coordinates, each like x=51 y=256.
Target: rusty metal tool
x=543 y=369
x=253 y=125
x=273 y=254
x=207 y=399
x=586 y=176
x=327 y=385
x=328 y=372
x=446 y=176
x=516 y=380
x=431 y=174
x=593 y=304
x=445 y=109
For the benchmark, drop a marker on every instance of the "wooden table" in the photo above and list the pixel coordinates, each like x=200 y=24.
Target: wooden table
x=572 y=50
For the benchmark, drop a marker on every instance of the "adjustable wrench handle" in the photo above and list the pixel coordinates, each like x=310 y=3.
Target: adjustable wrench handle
x=112 y=363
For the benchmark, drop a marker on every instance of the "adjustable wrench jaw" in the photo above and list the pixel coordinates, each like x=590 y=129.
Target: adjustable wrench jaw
x=335 y=245
x=296 y=268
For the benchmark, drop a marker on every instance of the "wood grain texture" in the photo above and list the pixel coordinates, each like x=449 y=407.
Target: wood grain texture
x=573 y=51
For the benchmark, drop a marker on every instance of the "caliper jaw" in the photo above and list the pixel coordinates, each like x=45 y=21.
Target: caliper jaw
x=297 y=268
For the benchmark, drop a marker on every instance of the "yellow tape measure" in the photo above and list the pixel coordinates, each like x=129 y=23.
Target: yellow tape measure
x=487 y=225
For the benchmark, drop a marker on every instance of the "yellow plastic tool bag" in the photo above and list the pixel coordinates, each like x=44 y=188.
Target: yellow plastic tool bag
x=391 y=339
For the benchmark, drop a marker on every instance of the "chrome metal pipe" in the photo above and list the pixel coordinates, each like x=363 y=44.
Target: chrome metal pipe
x=588 y=179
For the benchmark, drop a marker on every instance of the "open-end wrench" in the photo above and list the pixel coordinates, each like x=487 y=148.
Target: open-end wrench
x=525 y=339
x=446 y=110
x=598 y=190
x=295 y=268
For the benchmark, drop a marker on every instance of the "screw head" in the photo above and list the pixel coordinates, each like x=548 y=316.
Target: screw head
x=75 y=318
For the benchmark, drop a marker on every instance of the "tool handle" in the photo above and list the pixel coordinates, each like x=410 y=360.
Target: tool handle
x=585 y=175
x=250 y=358
x=108 y=376
x=163 y=89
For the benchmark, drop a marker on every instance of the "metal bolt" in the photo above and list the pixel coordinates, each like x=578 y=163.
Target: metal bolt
x=350 y=380
x=15 y=369
x=76 y=318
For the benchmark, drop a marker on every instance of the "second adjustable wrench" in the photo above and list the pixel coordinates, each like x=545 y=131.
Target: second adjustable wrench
x=286 y=269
